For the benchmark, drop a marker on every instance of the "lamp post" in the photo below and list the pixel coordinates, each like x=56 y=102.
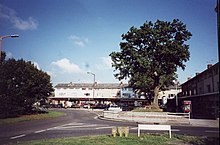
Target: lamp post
x=176 y=84
x=1 y=39
x=93 y=93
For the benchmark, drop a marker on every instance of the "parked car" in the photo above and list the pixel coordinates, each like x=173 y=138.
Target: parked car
x=75 y=106
x=114 y=108
x=100 y=106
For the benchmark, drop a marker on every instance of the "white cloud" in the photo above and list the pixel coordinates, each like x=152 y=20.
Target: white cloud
x=66 y=66
x=19 y=23
x=105 y=63
x=79 y=41
x=51 y=73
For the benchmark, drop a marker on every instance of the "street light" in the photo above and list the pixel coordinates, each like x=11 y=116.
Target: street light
x=93 y=84
x=176 y=84
x=1 y=39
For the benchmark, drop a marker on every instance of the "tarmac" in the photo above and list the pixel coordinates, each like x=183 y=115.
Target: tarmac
x=193 y=122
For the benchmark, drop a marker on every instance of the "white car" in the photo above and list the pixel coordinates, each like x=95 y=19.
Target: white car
x=114 y=108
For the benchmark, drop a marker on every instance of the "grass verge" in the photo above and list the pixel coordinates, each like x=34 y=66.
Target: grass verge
x=132 y=139
x=50 y=114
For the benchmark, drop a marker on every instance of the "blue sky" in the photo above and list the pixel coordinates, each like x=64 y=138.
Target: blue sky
x=68 y=38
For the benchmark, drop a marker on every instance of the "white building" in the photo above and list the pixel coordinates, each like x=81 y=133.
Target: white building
x=86 y=92
x=171 y=93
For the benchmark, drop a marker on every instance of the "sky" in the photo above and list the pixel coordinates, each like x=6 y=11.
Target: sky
x=69 y=38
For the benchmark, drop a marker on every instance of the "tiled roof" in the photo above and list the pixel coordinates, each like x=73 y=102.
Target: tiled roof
x=90 y=85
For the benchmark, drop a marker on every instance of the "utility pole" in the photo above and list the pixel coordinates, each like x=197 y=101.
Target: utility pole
x=1 y=40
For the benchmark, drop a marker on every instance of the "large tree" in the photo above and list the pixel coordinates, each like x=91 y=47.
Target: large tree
x=21 y=85
x=150 y=55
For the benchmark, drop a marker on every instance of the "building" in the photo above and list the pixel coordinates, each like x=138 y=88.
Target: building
x=202 y=93
x=90 y=93
x=168 y=94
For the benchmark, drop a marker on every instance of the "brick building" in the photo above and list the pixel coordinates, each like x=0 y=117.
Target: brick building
x=203 y=92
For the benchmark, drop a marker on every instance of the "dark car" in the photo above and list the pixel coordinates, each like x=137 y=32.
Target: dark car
x=100 y=106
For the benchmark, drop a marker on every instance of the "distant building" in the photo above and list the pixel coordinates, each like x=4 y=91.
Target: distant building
x=169 y=93
x=203 y=93
x=79 y=93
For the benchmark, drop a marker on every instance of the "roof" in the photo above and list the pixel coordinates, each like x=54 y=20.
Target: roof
x=90 y=85
x=200 y=74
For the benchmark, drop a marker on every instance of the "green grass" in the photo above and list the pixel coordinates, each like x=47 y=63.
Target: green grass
x=132 y=139
x=50 y=114
x=147 y=110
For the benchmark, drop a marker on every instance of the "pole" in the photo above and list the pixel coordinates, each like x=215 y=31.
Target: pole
x=1 y=39
x=176 y=83
x=93 y=93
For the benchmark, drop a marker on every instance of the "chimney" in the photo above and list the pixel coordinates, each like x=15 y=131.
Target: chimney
x=188 y=78
x=197 y=73
x=209 y=66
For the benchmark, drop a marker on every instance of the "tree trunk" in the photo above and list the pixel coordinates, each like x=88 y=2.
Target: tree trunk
x=156 y=94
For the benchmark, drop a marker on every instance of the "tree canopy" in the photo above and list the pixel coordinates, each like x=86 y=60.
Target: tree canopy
x=150 y=55
x=21 y=85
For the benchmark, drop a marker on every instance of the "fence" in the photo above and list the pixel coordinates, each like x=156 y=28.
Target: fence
x=148 y=117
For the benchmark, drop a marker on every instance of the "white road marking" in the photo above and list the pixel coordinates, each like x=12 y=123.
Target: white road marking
x=40 y=131
x=72 y=124
x=65 y=125
x=19 y=136
x=68 y=127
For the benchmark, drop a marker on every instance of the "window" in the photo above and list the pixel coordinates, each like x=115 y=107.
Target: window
x=83 y=88
x=194 y=92
x=87 y=94
x=209 y=88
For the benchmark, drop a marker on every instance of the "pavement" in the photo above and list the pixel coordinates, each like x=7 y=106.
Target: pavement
x=193 y=122
x=205 y=122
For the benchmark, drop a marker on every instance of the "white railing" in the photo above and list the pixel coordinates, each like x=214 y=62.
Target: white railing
x=150 y=117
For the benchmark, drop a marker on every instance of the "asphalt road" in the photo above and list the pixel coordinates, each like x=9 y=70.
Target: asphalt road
x=80 y=123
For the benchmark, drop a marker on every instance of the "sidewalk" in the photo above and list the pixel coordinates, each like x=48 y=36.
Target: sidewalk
x=205 y=122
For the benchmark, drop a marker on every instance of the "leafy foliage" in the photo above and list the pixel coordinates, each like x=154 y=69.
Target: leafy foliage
x=150 y=55
x=21 y=85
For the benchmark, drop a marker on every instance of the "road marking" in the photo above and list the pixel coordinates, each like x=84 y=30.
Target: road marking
x=69 y=127
x=40 y=131
x=19 y=136
x=65 y=125
x=72 y=124
x=214 y=131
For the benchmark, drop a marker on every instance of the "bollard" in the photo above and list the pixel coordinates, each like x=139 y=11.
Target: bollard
x=126 y=131
x=120 y=131
x=114 y=131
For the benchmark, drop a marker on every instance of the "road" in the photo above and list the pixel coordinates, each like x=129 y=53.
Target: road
x=80 y=123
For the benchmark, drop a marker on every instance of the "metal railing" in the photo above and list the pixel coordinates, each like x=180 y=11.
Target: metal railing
x=151 y=117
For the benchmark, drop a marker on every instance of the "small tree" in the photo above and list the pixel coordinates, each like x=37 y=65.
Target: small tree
x=150 y=55
x=21 y=85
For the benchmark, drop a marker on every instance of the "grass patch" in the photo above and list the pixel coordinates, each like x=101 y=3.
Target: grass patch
x=147 y=110
x=50 y=114
x=132 y=139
